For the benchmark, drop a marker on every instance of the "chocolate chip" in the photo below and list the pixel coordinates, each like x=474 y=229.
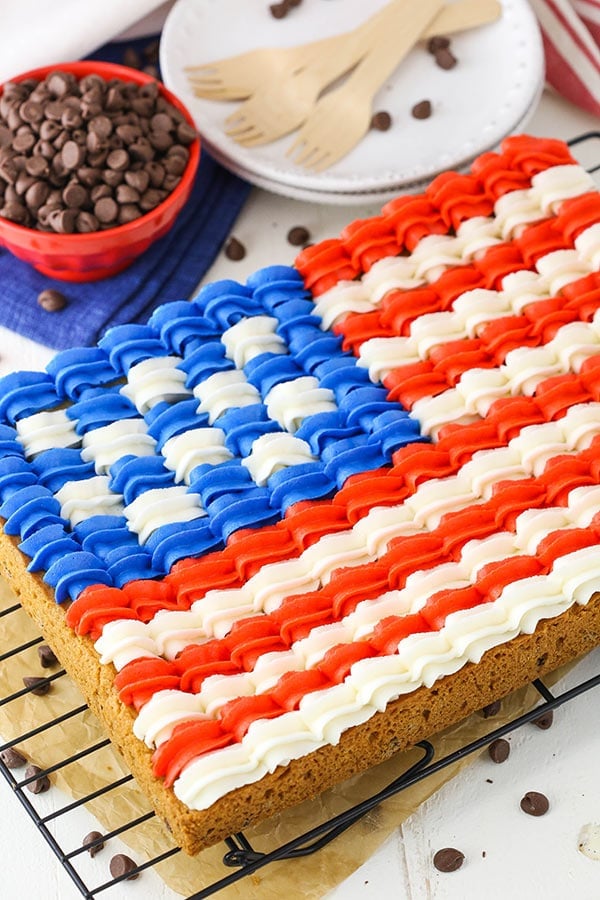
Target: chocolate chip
x=298 y=236
x=492 y=709
x=445 y=59
x=59 y=83
x=72 y=155
x=36 y=195
x=381 y=121
x=37 y=166
x=38 y=686
x=120 y=865
x=93 y=842
x=448 y=859
x=234 y=249
x=106 y=210
x=52 y=300
x=132 y=58
x=62 y=221
x=278 y=10
x=46 y=656
x=535 y=804
x=545 y=720
x=150 y=51
x=40 y=782
x=139 y=180
x=437 y=42
x=186 y=133
x=86 y=222
x=12 y=759
x=75 y=195
x=499 y=750
x=421 y=110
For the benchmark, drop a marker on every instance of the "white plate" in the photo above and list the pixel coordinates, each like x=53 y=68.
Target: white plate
x=349 y=198
x=486 y=96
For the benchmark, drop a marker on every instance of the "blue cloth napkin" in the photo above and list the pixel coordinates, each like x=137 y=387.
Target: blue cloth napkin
x=169 y=270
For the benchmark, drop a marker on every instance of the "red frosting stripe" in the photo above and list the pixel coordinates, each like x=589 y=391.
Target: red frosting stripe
x=388 y=632
x=188 y=741
x=578 y=213
x=96 y=606
x=237 y=715
x=448 y=200
x=459 y=197
x=140 y=679
x=439 y=606
x=413 y=218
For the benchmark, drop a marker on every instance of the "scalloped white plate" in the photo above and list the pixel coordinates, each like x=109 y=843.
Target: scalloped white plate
x=489 y=94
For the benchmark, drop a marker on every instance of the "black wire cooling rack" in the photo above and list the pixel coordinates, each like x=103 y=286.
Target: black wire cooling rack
x=240 y=858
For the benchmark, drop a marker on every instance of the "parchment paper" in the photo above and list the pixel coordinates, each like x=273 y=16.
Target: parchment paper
x=305 y=878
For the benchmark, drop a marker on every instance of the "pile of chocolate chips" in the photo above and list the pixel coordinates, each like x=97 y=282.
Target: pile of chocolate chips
x=86 y=155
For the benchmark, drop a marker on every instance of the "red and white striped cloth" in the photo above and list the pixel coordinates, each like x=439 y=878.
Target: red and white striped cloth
x=571 y=36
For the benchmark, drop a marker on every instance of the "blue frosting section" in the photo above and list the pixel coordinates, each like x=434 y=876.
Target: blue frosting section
x=134 y=475
x=166 y=420
x=358 y=432
x=55 y=467
x=25 y=393
x=98 y=407
x=76 y=370
x=15 y=474
x=127 y=345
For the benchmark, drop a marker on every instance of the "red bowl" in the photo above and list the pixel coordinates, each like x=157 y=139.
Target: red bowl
x=98 y=254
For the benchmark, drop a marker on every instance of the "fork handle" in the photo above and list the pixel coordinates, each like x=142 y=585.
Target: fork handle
x=332 y=57
x=404 y=27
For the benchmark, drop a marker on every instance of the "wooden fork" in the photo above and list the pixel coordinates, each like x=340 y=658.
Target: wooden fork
x=281 y=106
x=239 y=77
x=342 y=117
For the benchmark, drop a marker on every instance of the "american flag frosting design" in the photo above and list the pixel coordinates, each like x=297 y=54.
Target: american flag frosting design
x=283 y=504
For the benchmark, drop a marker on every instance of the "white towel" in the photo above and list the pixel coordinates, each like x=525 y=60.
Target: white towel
x=44 y=32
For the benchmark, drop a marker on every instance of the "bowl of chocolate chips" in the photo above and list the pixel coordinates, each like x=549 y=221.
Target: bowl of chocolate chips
x=96 y=162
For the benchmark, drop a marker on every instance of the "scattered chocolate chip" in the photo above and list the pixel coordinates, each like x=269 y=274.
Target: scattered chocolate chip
x=448 y=859
x=545 y=720
x=381 y=121
x=52 y=300
x=535 y=804
x=40 y=783
x=150 y=51
x=437 y=42
x=421 y=110
x=120 y=865
x=499 y=750
x=278 y=10
x=46 y=656
x=445 y=59
x=93 y=842
x=38 y=686
x=298 y=236
x=234 y=249
x=12 y=759
x=132 y=58
x=492 y=709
